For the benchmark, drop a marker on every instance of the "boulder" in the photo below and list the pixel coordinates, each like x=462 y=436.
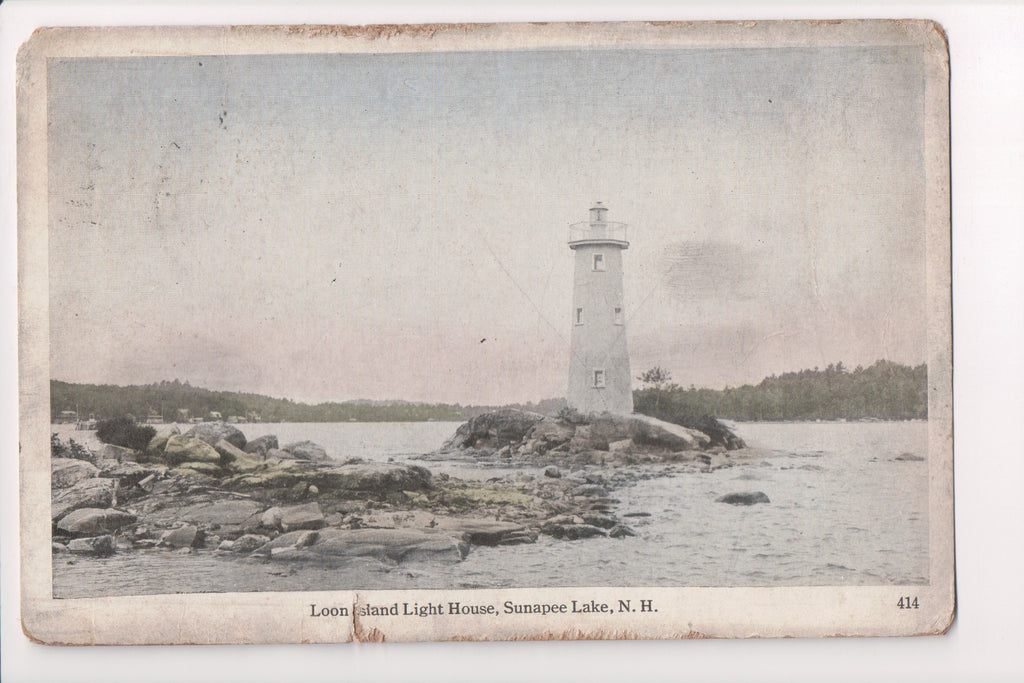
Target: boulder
x=127 y=473
x=558 y=520
x=307 y=450
x=230 y=516
x=278 y=454
x=571 y=532
x=600 y=520
x=228 y=451
x=577 y=531
x=205 y=469
x=88 y=493
x=212 y=432
x=479 y=531
x=552 y=432
x=94 y=521
x=579 y=444
x=493 y=430
x=620 y=446
x=187 y=536
x=744 y=498
x=621 y=531
x=648 y=431
x=271 y=519
x=159 y=440
x=553 y=472
x=307 y=516
x=587 y=438
x=519 y=539
x=716 y=433
x=261 y=444
x=289 y=541
x=66 y=472
x=589 y=490
x=246 y=543
x=119 y=453
x=96 y=545
x=180 y=449
x=395 y=545
x=235 y=459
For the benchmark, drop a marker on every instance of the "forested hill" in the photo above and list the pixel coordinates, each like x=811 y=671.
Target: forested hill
x=884 y=391
x=166 y=399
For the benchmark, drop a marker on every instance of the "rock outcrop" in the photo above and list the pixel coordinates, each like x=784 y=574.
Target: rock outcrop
x=516 y=436
x=298 y=517
x=493 y=430
x=744 y=498
x=66 y=472
x=88 y=493
x=201 y=491
x=384 y=545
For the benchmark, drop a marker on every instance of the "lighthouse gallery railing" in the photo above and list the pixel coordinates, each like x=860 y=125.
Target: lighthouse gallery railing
x=606 y=230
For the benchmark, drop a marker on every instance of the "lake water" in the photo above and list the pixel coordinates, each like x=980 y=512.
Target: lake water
x=842 y=512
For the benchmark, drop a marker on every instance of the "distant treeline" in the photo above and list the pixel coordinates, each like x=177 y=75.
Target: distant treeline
x=883 y=391
x=175 y=401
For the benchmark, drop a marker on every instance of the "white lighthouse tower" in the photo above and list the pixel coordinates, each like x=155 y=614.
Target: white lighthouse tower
x=599 y=376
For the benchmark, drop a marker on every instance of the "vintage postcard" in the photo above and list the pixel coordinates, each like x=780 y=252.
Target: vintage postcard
x=451 y=332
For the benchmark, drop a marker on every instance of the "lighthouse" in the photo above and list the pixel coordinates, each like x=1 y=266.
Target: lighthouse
x=599 y=376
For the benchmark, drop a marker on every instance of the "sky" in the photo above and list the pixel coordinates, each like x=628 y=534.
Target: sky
x=393 y=226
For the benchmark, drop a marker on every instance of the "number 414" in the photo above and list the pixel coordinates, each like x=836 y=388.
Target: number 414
x=906 y=602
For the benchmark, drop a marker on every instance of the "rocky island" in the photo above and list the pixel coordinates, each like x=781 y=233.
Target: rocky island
x=211 y=489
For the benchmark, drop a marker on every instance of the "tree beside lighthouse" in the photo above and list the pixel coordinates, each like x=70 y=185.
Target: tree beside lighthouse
x=599 y=375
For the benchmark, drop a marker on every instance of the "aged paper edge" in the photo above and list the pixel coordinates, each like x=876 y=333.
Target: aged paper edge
x=285 y=617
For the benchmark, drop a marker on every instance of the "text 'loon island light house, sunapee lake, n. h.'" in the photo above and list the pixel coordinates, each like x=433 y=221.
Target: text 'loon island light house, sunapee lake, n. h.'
x=599 y=376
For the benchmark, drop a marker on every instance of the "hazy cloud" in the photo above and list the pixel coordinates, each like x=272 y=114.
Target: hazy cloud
x=711 y=269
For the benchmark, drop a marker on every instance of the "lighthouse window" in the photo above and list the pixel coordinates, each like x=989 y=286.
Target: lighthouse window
x=618 y=315
x=598 y=261
x=579 y=316
x=598 y=379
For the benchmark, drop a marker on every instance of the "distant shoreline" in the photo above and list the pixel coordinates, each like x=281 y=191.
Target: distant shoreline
x=461 y=420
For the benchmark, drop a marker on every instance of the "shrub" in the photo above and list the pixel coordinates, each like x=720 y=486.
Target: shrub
x=57 y=449
x=122 y=431
x=72 y=450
